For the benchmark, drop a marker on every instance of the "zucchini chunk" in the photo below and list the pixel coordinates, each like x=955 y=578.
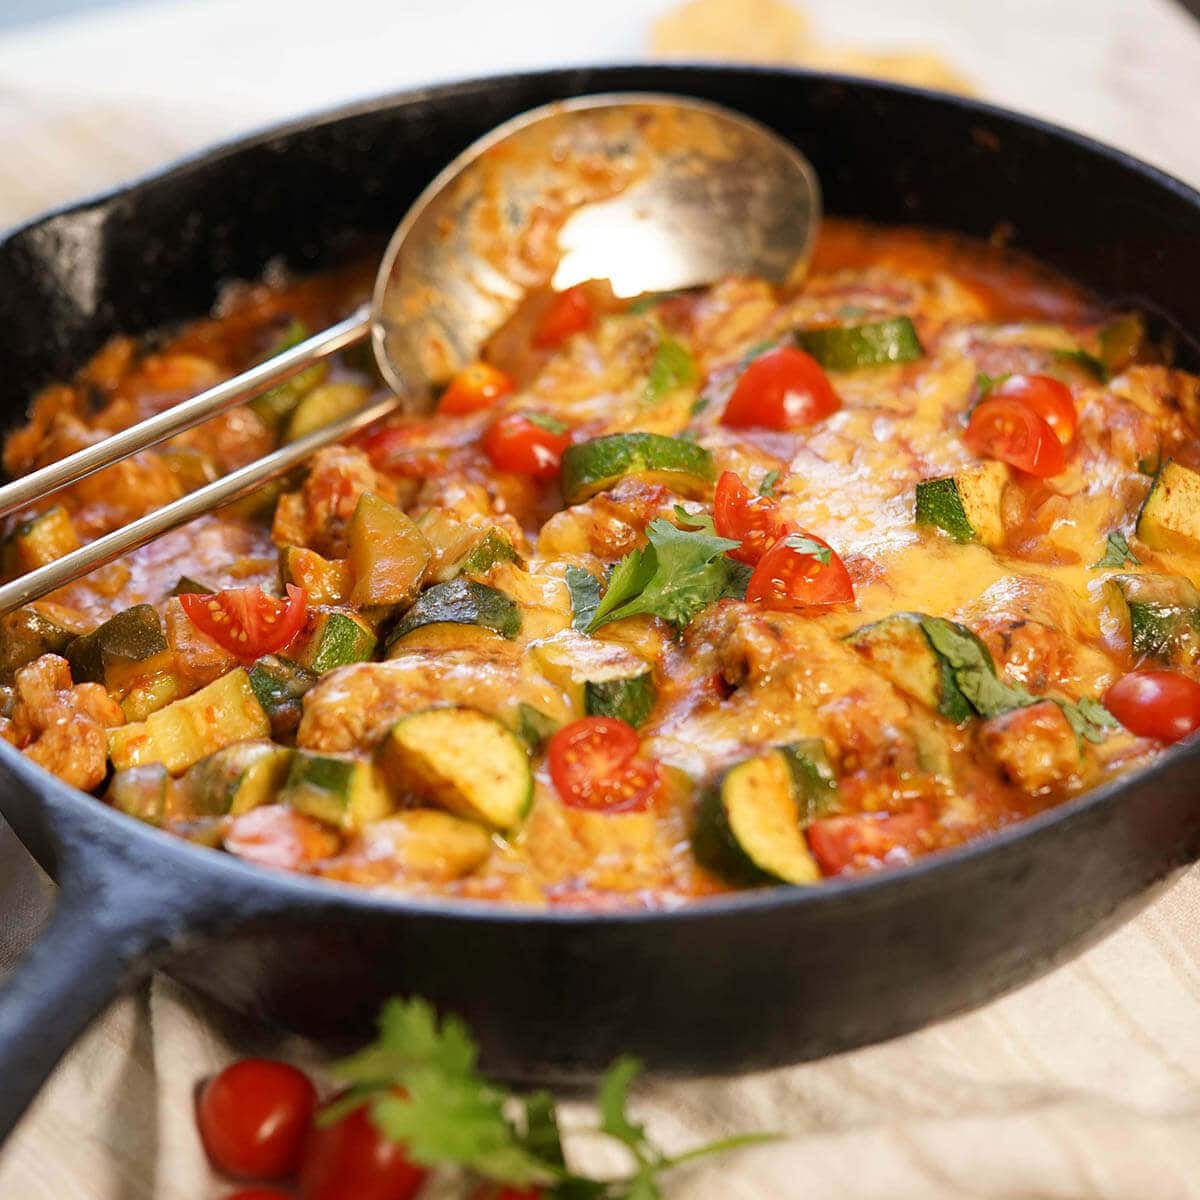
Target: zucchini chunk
x=187 y=586
x=337 y=639
x=750 y=827
x=324 y=405
x=462 y=761
x=534 y=727
x=600 y=679
x=184 y=732
x=590 y=467
x=25 y=635
x=1170 y=516
x=345 y=792
x=875 y=344
x=141 y=792
x=273 y=406
x=426 y=843
x=235 y=779
x=493 y=547
x=122 y=642
x=464 y=547
x=388 y=553
x=461 y=602
x=967 y=505
x=44 y=538
x=280 y=685
x=900 y=650
x=325 y=580
x=1159 y=616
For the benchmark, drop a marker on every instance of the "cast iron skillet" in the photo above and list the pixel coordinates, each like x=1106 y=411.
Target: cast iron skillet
x=755 y=980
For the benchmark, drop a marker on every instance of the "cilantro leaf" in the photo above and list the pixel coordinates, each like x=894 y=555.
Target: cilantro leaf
x=585 y=595
x=613 y=1100
x=674 y=577
x=974 y=672
x=767 y=484
x=805 y=545
x=984 y=383
x=1088 y=718
x=548 y=423
x=541 y=1129
x=1089 y=362
x=673 y=367
x=695 y=520
x=1117 y=552
x=757 y=351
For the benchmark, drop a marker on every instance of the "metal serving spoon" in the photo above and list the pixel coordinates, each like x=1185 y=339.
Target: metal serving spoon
x=651 y=192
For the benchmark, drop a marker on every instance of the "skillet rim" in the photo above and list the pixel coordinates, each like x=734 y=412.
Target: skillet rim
x=873 y=888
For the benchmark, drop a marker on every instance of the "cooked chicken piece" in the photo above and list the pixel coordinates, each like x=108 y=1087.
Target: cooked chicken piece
x=1034 y=747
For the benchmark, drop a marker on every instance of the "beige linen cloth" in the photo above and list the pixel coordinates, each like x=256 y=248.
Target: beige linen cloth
x=1084 y=1085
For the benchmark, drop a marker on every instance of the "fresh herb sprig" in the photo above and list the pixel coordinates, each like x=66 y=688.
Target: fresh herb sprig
x=424 y=1089
x=1117 y=552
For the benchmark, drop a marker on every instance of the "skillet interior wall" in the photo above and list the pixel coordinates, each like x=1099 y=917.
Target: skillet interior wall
x=135 y=261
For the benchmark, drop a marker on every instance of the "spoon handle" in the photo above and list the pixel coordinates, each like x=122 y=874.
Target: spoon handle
x=185 y=415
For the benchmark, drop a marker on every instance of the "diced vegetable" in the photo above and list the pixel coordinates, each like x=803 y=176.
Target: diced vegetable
x=967 y=505
x=246 y=621
x=426 y=843
x=324 y=405
x=1121 y=341
x=154 y=689
x=274 y=406
x=44 y=539
x=460 y=760
x=141 y=792
x=875 y=344
x=324 y=580
x=900 y=650
x=600 y=679
x=388 y=553
x=590 y=467
x=187 y=586
x=1008 y=429
x=1164 y=705
x=184 y=732
x=1170 y=516
x=495 y=546
x=750 y=828
x=461 y=602
x=783 y=388
x=236 y=778
x=25 y=635
x=337 y=639
x=280 y=685
x=345 y=792
x=124 y=641
x=1159 y=616
x=464 y=547
x=527 y=443
x=534 y=727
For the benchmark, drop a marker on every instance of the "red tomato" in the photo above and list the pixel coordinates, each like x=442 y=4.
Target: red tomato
x=1049 y=398
x=788 y=578
x=593 y=765
x=352 y=1160
x=755 y=521
x=517 y=444
x=781 y=389
x=405 y=450
x=491 y=1192
x=569 y=312
x=837 y=842
x=1156 y=704
x=246 y=621
x=258 y=1194
x=1008 y=429
x=473 y=388
x=253 y=1118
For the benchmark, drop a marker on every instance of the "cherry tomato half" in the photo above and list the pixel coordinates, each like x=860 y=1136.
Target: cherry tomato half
x=1049 y=398
x=790 y=578
x=1008 y=429
x=253 y=1118
x=755 y=521
x=518 y=444
x=781 y=389
x=593 y=765
x=569 y=312
x=474 y=388
x=839 y=842
x=1156 y=704
x=246 y=621
x=352 y=1160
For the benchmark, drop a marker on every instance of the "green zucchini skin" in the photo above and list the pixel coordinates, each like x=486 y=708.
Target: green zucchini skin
x=141 y=792
x=133 y=635
x=875 y=344
x=1169 y=518
x=940 y=505
x=460 y=601
x=337 y=640
x=630 y=699
x=280 y=685
x=236 y=778
x=592 y=466
x=25 y=635
x=965 y=506
x=187 y=586
x=1160 y=615
x=346 y=793
x=749 y=827
x=275 y=405
x=898 y=647
x=534 y=727
x=493 y=548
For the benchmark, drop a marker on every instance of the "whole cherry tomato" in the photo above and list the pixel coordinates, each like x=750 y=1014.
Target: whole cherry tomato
x=352 y=1160
x=475 y=387
x=784 y=388
x=593 y=765
x=253 y=1118
x=1164 y=705
x=1008 y=429
x=755 y=521
x=526 y=445
x=246 y=621
x=1049 y=398
x=570 y=312
x=791 y=575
